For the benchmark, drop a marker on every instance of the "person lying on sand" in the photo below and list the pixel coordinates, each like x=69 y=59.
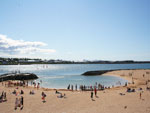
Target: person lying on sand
x=130 y=90
x=61 y=96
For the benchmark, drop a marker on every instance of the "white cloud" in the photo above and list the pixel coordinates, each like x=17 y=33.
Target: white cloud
x=13 y=47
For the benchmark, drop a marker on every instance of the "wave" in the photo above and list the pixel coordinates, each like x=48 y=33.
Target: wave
x=77 y=79
x=53 y=77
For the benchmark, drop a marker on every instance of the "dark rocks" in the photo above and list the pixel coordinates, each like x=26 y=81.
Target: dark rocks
x=100 y=72
x=93 y=73
x=18 y=76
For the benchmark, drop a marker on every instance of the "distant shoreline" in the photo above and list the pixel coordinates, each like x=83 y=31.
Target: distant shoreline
x=28 y=61
x=74 y=63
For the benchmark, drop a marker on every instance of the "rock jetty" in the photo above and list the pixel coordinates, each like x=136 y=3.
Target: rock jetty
x=100 y=72
x=94 y=73
x=18 y=76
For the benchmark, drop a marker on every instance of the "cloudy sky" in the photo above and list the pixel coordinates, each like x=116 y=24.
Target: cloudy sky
x=75 y=29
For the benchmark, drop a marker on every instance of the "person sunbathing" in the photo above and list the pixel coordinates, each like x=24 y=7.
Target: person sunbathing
x=60 y=96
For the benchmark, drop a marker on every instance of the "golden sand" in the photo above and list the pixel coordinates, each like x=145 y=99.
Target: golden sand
x=114 y=100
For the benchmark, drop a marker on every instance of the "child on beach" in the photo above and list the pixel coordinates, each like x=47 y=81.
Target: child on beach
x=43 y=97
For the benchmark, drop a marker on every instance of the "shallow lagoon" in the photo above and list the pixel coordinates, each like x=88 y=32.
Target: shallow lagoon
x=61 y=75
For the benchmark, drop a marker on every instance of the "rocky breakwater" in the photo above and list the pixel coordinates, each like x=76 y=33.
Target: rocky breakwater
x=18 y=76
x=94 y=73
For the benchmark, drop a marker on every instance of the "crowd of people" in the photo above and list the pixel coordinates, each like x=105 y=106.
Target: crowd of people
x=18 y=83
x=86 y=88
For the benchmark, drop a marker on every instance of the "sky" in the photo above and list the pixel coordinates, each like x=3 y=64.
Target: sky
x=75 y=29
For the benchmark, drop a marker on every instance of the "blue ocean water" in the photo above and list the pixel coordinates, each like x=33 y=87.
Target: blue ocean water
x=61 y=75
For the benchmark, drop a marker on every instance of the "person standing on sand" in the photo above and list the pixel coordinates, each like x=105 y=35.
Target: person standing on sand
x=21 y=102
x=34 y=85
x=5 y=98
x=27 y=83
x=68 y=87
x=16 y=103
x=76 y=87
x=95 y=90
x=72 y=87
x=91 y=94
x=38 y=85
x=140 y=95
x=132 y=80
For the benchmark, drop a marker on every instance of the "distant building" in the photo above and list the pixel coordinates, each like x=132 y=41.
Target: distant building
x=29 y=61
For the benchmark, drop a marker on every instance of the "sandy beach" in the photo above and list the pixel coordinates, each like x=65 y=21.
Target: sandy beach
x=114 y=100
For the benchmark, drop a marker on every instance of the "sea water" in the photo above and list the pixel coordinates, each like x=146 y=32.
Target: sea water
x=61 y=75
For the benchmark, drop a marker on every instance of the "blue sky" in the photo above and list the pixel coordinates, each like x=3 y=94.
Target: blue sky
x=75 y=29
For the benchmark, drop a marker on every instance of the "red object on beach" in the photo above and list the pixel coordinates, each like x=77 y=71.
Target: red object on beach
x=43 y=98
